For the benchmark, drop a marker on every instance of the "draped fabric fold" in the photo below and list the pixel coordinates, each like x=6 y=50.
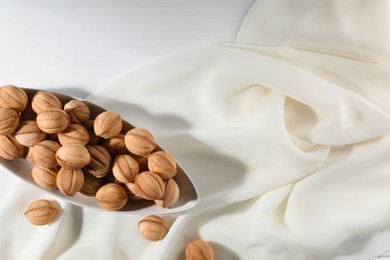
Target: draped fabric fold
x=288 y=149
x=358 y=30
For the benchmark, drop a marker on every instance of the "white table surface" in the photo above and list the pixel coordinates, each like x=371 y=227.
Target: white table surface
x=82 y=44
x=75 y=46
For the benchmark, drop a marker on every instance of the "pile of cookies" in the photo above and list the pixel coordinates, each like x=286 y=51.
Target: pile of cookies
x=73 y=151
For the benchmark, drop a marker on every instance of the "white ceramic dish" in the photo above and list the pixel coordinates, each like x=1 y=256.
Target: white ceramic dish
x=188 y=194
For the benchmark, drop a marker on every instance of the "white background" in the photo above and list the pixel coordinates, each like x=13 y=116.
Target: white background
x=82 y=44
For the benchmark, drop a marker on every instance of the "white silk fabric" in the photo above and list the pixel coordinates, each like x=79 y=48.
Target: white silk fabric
x=284 y=132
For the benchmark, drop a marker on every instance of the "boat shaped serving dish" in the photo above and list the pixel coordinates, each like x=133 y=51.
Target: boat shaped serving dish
x=188 y=194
